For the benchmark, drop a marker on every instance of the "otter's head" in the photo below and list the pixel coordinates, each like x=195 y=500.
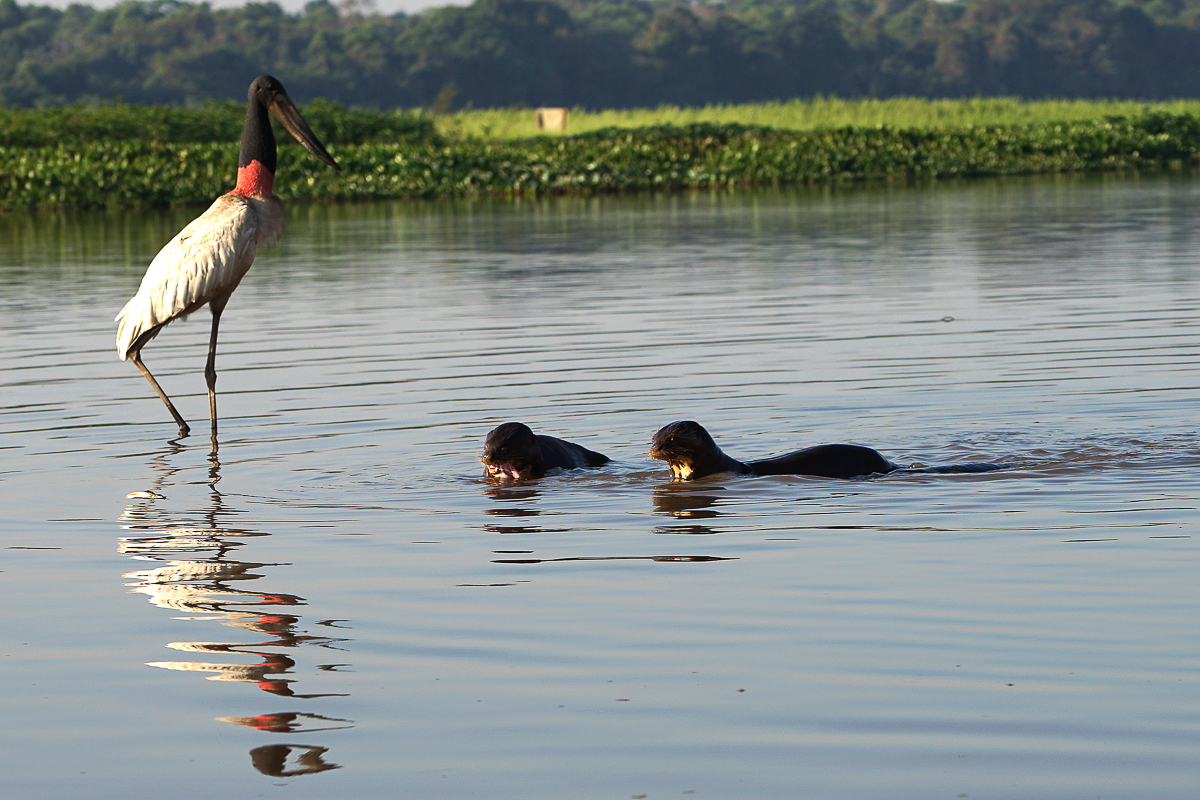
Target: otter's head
x=511 y=452
x=687 y=448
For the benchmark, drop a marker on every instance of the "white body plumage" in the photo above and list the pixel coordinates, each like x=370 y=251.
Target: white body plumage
x=205 y=261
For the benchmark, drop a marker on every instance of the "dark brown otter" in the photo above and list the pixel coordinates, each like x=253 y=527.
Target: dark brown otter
x=691 y=453
x=515 y=452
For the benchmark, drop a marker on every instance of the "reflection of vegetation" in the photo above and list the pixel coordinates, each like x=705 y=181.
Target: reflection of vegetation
x=602 y=53
x=609 y=160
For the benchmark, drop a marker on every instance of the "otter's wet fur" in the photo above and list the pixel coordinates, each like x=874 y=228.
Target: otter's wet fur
x=513 y=451
x=691 y=453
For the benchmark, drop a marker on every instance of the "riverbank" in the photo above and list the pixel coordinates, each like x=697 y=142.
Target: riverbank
x=660 y=157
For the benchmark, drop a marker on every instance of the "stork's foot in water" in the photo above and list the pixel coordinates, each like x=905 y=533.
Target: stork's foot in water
x=212 y=415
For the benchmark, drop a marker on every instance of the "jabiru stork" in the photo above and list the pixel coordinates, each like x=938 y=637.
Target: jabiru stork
x=206 y=260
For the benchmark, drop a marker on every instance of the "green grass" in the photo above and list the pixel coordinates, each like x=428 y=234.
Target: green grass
x=809 y=115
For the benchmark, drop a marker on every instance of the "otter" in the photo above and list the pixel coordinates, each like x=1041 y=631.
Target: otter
x=691 y=453
x=515 y=452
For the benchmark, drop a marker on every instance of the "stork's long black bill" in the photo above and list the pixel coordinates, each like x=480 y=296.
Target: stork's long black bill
x=285 y=111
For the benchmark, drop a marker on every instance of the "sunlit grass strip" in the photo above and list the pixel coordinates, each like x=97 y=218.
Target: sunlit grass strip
x=611 y=160
x=808 y=115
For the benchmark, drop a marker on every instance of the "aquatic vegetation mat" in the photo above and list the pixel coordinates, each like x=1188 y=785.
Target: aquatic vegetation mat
x=661 y=157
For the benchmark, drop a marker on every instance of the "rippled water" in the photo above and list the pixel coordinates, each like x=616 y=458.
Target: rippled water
x=336 y=604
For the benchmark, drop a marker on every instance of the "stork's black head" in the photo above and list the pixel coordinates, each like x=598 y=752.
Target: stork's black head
x=264 y=89
x=266 y=93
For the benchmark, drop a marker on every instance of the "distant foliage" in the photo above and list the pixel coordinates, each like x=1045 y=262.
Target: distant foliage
x=602 y=53
x=214 y=122
x=701 y=155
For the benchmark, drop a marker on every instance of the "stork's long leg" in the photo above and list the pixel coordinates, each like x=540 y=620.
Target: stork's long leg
x=210 y=370
x=136 y=357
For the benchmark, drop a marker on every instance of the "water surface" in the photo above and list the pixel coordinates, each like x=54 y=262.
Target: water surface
x=335 y=603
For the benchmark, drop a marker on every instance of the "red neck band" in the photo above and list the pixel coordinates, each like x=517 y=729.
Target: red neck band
x=254 y=180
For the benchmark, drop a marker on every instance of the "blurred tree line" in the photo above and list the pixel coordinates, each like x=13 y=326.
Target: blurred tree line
x=601 y=53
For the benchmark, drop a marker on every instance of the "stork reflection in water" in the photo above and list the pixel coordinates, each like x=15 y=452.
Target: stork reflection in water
x=205 y=262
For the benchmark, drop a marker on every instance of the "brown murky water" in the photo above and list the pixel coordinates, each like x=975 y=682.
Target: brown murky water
x=335 y=604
